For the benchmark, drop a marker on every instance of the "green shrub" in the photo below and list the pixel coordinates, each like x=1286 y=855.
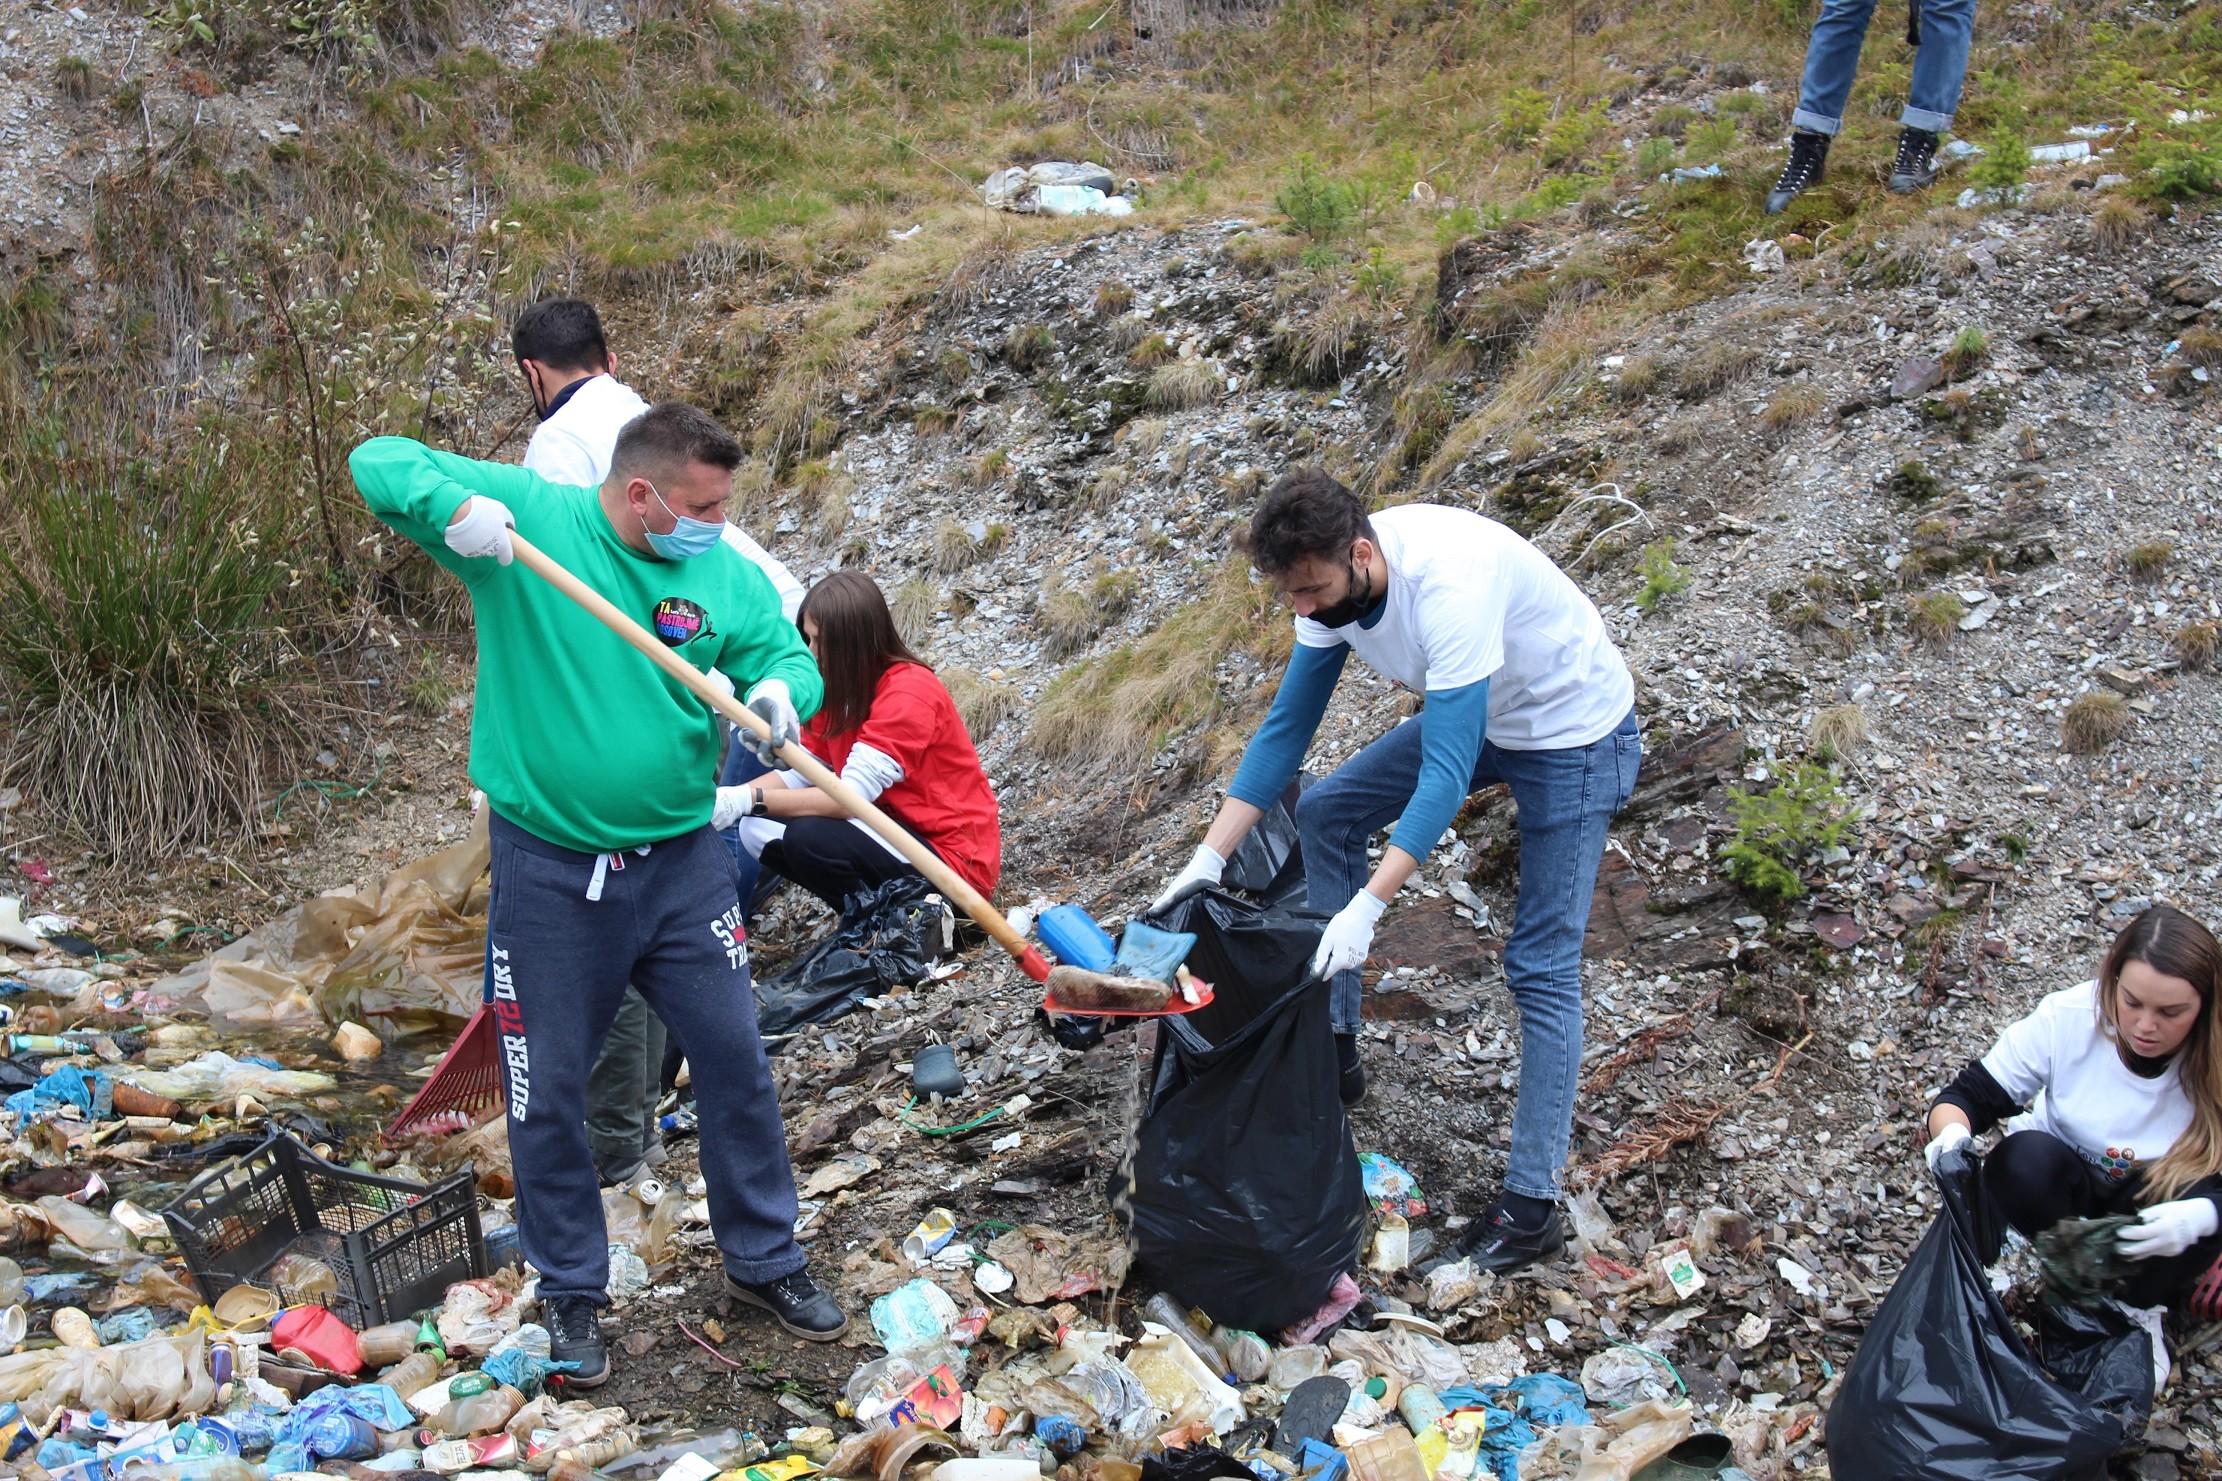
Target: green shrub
x=2177 y=171
x=1320 y=208
x=1655 y=156
x=1526 y=113
x=1779 y=829
x=2003 y=164
x=1713 y=138
x=1378 y=278
x=1662 y=578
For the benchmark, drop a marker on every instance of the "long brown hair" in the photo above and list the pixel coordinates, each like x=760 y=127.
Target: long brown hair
x=857 y=642
x=2174 y=945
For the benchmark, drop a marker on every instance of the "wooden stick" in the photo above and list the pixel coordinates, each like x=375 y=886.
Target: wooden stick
x=923 y=859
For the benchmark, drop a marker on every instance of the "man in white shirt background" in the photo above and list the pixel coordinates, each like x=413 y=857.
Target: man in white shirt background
x=571 y=375
x=1522 y=685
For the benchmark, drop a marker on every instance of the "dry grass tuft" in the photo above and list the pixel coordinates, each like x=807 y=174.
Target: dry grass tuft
x=913 y=607
x=2196 y=645
x=1318 y=350
x=2146 y=561
x=1153 y=350
x=2093 y=722
x=986 y=270
x=1186 y=385
x=1072 y=615
x=2118 y=222
x=1029 y=346
x=1837 y=733
x=1114 y=296
x=1639 y=377
x=1127 y=331
x=991 y=467
x=1935 y=616
x=1790 y=410
x=1715 y=369
x=1116 y=710
x=2201 y=346
x=983 y=703
x=954 y=547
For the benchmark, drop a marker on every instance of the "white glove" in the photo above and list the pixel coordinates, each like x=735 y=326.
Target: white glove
x=772 y=705
x=721 y=681
x=483 y=530
x=2168 y=1228
x=1348 y=939
x=1203 y=870
x=1954 y=1135
x=732 y=805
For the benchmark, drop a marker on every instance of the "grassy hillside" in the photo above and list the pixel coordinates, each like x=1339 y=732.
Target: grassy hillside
x=728 y=180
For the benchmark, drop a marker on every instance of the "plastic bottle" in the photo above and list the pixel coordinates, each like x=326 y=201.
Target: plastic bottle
x=578 y=1462
x=1419 y=1406
x=412 y=1375
x=342 y=1436
x=11 y=1282
x=479 y=1414
x=82 y=1227
x=386 y=1345
x=1165 y=1311
x=452 y=1456
x=1248 y=1354
x=74 y=1328
x=303 y=1279
x=428 y=1339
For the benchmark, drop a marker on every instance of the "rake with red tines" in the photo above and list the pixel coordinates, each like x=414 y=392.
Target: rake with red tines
x=465 y=1085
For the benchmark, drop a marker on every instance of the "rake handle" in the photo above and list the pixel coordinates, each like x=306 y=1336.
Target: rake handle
x=854 y=803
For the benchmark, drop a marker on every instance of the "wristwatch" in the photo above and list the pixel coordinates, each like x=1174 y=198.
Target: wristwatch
x=756 y=807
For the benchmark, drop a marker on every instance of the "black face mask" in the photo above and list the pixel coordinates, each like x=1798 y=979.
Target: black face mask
x=1356 y=603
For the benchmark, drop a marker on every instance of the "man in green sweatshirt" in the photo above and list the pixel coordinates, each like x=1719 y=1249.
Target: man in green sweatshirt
x=599 y=771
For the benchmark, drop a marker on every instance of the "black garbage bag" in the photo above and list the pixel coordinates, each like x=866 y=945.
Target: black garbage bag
x=1943 y=1389
x=1269 y=862
x=1245 y=1197
x=887 y=938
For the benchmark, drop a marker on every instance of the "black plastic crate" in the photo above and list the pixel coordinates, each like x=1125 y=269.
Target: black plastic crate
x=395 y=1246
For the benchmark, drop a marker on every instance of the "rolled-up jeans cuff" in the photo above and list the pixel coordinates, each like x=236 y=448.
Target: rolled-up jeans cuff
x=1922 y=118
x=1815 y=123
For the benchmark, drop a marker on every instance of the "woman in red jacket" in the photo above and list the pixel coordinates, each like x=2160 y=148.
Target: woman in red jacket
x=890 y=729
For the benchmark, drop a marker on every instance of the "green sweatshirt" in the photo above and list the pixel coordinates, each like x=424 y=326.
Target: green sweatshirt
x=576 y=737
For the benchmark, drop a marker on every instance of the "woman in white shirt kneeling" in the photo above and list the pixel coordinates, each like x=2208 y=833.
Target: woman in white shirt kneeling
x=2114 y=1094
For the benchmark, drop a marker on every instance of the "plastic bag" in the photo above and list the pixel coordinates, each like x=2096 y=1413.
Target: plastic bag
x=1269 y=862
x=1245 y=1195
x=153 y=1379
x=217 y=1076
x=888 y=938
x=1943 y=1389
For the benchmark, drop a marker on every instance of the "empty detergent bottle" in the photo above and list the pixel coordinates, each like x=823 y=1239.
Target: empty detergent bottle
x=387 y=1344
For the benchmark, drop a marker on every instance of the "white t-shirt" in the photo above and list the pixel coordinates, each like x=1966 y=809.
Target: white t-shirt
x=1470 y=600
x=2059 y=1062
x=575 y=446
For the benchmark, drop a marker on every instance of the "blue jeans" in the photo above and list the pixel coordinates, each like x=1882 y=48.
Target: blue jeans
x=1939 y=66
x=741 y=766
x=1565 y=800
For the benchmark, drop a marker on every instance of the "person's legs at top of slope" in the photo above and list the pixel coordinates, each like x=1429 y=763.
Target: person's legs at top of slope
x=621 y=1094
x=1832 y=59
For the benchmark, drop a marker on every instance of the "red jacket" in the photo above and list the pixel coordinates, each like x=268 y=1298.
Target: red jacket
x=944 y=796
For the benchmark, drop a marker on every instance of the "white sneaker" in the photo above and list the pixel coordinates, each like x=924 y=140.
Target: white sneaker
x=2150 y=1318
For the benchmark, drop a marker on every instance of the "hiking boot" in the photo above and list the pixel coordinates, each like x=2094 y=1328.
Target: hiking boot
x=1809 y=155
x=575 y=1336
x=1353 y=1073
x=1498 y=1242
x=1915 y=168
x=796 y=1300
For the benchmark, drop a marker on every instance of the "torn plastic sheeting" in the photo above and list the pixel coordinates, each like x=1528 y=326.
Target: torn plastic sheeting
x=888 y=938
x=153 y=1379
x=408 y=950
x=1054 y=187
x=66 y=1086
x=217 y=1076
x=1515 y=1412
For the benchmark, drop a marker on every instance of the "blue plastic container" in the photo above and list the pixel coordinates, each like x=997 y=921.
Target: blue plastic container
x=1073 y=936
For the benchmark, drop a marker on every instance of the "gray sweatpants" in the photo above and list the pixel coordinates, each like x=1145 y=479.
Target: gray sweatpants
x=622 y=1091
x=667 y=921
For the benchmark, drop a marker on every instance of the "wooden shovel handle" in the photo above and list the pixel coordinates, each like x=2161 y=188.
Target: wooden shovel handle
x=854 y=803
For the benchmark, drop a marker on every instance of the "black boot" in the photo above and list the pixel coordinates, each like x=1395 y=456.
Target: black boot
x=797 y=1302
x=1353 y=1073
x=575 y=1336
x=1809 y=155
x=1504 y=1242
x=1915 y=168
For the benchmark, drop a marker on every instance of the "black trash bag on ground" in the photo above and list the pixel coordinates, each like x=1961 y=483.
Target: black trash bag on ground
x=1943 y=1389
x=1195 y=1463
x=1245 y=1197
x=887 y=938
x=1269 y=862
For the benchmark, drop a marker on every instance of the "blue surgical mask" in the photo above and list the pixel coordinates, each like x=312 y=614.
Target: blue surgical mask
x=688 y=538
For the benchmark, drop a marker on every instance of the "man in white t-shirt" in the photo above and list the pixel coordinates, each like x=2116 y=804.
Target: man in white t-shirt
x=1522 y=686
x=571 y=376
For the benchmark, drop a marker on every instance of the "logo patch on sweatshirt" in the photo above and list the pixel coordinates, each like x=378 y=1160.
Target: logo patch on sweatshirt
x=679 y=621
